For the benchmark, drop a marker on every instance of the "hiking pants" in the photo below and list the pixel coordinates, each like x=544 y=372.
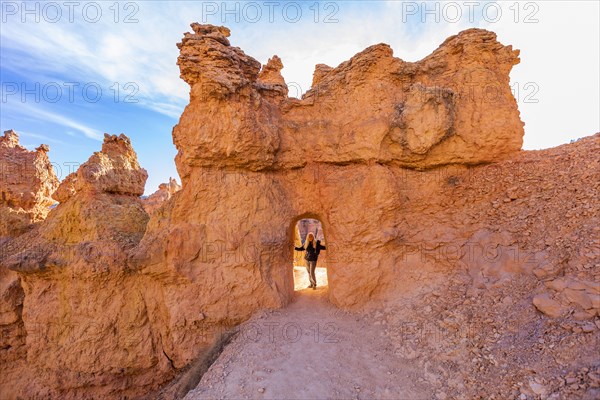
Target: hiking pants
x=310 y=268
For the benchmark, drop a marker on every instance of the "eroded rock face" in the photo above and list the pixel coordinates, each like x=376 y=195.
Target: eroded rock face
x=113 y=170
x=165 y=192
x=84 y=314
x=454 y=106
x=27 y=181
x=337 y=154
x=12 y=329
x=253 y=162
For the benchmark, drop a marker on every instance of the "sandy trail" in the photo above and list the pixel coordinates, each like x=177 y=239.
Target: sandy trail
x=310 y=350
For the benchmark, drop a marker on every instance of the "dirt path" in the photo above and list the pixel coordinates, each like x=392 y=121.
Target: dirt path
x=310 y=350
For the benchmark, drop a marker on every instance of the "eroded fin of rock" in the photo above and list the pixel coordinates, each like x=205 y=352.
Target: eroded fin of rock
x=27 y=181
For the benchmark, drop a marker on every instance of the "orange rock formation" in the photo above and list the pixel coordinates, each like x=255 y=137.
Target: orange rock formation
x=414 y=170
x=165 y=192
x=27 y=181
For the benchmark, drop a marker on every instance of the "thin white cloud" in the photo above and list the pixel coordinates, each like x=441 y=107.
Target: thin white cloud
x=108 y=52
x=40 y=114
x=104 y=53
x=172 y=110
x=44 y=138
x=64 y=121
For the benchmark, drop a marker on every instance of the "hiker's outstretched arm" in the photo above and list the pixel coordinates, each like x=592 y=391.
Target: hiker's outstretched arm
x=299 y=248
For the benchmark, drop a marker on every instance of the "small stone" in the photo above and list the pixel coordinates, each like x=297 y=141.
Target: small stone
x=537 y=388
x=579 y=297
x=589 y=327
x=261 y=390
x=570 y=380
x=558 y=284
x=582 y=316
x=548 y=306
x=441 y=396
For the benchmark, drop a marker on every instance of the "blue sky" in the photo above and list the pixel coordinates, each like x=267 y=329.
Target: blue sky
x=69 y=73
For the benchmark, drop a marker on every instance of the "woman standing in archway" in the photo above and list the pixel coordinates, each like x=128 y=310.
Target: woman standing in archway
x=311 y=256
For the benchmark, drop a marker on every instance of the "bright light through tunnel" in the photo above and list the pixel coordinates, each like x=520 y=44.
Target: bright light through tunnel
x=301 y=278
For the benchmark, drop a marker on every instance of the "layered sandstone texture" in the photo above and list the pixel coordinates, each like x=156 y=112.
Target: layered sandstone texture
x=27 y=181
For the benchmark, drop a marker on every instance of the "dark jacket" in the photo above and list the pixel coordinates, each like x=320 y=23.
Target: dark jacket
x=312 y=252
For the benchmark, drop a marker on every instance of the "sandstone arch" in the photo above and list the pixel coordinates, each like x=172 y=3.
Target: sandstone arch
x=354 y=172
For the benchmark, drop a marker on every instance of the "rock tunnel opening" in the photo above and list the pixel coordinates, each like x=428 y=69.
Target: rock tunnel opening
x=309 y=246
